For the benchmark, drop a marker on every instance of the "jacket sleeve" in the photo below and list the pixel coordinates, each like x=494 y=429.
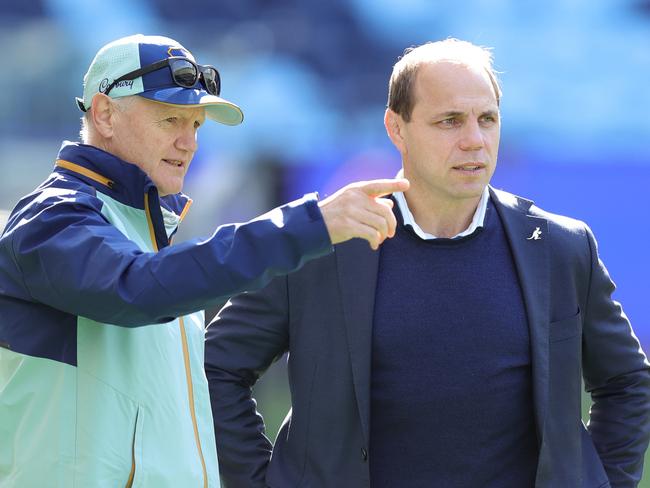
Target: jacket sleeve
x=246 y=337
x=617 y=375
x=68 y=256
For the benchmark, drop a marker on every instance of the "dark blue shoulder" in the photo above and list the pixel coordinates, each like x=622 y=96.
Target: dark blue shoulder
x=58 y=193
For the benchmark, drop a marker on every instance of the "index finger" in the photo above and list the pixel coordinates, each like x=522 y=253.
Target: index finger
x=379 y=188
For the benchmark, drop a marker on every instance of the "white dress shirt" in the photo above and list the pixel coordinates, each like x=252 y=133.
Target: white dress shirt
x=477 y=220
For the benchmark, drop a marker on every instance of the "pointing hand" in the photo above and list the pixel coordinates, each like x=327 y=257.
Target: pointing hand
x=357 y=210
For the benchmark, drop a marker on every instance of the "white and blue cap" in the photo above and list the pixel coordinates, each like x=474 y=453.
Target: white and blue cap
x=132 y=53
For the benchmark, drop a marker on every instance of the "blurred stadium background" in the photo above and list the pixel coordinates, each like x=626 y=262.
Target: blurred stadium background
x=311 y=77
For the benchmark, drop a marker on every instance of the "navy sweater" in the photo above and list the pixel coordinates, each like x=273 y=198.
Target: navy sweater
x=451 y=397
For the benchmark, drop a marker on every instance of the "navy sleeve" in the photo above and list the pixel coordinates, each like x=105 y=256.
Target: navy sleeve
x=246 y=337
x=67 y=256
x=617 y=375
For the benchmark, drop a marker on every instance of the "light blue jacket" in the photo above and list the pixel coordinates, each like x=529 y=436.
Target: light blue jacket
x=102 y=331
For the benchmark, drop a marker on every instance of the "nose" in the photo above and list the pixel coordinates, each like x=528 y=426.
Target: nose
x=187 y=140
x=472 y=136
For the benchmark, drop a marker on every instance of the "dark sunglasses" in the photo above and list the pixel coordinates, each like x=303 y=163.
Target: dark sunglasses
x=185 y=73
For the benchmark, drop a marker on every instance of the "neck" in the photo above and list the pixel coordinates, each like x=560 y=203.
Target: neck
x=439 y=216
x=98 y=142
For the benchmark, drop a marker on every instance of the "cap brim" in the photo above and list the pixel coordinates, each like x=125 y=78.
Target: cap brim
x=216 y=108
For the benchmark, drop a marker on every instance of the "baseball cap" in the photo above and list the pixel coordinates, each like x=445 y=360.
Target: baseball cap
x=131 y=53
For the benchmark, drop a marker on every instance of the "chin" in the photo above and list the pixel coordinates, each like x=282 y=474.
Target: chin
x=471 y=191
x=169 y=189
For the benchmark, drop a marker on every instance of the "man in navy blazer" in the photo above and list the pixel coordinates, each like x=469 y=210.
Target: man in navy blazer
x=454 y=355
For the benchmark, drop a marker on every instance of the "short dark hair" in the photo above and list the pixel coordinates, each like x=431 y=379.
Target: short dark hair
x=402 y=79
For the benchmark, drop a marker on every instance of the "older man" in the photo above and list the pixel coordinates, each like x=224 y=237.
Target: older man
x=101 y=333
x=453 y=356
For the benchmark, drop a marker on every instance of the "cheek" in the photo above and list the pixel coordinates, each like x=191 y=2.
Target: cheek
x=492 y=136
x=147 y=156
x=493 y=145
x=422 y=143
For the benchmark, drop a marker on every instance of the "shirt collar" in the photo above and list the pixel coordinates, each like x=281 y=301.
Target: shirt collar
x=171 y=220
x=407 y=216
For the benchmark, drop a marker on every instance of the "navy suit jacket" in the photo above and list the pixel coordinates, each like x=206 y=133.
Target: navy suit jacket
x=322 y=314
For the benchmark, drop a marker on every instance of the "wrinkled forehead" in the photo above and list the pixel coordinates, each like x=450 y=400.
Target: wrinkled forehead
x=452 y=80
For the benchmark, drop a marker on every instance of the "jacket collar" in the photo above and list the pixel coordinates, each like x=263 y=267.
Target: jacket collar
x=108 y=174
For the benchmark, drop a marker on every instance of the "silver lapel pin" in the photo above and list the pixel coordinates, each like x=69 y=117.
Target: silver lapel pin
x=536 y=235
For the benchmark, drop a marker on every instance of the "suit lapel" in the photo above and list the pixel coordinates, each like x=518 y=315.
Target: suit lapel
x=357 y=271
x=528 y=237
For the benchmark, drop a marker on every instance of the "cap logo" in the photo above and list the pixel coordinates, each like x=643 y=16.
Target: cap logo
x=178 y=51
x=103 y=85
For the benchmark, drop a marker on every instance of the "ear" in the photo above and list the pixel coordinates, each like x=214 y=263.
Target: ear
x=394 y=123
x=102 y=115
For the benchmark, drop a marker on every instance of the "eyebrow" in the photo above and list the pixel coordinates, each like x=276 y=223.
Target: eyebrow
x=456 y=113
x=451 y=113
x=174 y=112
x=164 y=112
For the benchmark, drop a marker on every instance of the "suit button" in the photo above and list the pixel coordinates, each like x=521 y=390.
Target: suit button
x=364 y=454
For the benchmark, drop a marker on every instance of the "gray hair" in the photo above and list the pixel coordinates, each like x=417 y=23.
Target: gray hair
x=87 y=129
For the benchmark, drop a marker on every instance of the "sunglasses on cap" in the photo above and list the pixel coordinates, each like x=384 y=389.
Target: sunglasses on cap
x=185 y=73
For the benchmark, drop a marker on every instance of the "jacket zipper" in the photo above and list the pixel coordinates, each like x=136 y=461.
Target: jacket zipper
x=190 y=394
x=129 y=482
x=186 y=357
